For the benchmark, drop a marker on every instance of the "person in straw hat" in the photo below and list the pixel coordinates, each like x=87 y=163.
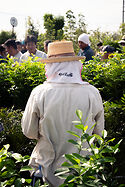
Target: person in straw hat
x=51 y=109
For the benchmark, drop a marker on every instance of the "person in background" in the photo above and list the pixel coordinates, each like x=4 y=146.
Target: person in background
x=12 y=50
x=99 y=46
x=46 y=43
x=122 y=41
x=23 y=47
x=2 y=54
x=19 y=45
x=32 y=51
x=107 y=50
x=52 y=106
x=85 y=49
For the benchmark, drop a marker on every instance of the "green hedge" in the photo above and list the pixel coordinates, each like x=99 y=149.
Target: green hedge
x=17 y=82
x=107 y=76
x=11 y=133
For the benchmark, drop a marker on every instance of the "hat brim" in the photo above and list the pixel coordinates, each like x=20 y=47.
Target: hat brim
x=61 y=59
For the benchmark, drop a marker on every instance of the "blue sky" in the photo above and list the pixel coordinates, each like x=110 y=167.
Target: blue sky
x=103 y=14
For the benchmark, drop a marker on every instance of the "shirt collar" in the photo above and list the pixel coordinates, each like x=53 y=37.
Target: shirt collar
x=87 y=48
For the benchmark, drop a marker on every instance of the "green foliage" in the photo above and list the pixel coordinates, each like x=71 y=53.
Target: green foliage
x=122 y=28
x=74 y=28
x=106 y=38
x=17 y=81
x=12 y=132
x=31 y=28
x=70 y=26
x=115 y=118
x=13 y=168
x=95 y=169
x=54 y=27
x=107 y=76
x=115 y=125
x=5 y=35
x=40 y=41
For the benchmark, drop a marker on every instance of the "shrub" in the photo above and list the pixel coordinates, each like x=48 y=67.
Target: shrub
x=11 y=133
x=108 y=76
x=13 y=168
x=115 y=125
x=17 y=82
x=96 y=169
x=5 y=85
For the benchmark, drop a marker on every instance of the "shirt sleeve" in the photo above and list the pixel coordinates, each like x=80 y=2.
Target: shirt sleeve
x=99 y=116
x=99 y=127
x=30 y=119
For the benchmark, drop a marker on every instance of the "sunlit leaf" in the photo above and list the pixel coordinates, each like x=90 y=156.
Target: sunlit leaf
x=79 y=114
x=71 y=159
x=74 y=134
x=73 y=142
x=104 y=133
x=26 y=168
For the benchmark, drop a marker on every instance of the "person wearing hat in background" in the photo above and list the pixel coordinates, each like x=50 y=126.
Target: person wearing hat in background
x=85 y=49
x=52 y=106
x=107 y=50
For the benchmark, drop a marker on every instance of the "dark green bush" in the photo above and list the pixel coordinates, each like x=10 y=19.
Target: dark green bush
x=115 y=125
x=13 y=169
x=12 y=133
x=108 y=76
x=17 y=82
x=96 y=168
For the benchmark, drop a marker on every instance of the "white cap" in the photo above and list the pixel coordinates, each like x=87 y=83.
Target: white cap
x=84 y=38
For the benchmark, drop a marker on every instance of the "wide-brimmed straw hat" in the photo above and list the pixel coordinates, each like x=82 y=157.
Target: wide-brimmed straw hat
x=61 y=51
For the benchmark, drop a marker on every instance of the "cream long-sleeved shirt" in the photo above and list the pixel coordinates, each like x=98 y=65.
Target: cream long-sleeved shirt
x=38 y=53
x=48 y=116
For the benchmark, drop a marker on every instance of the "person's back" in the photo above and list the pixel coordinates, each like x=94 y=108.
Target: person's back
x=51 y=109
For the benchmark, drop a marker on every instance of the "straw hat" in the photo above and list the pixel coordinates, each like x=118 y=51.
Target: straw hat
x=61 y=51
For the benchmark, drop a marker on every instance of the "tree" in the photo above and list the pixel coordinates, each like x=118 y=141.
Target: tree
x=31 y=28
x=40 y=41
x=106 y=38
x=81 y=25
x=74 y=28
x=70 y=27
x=81 y=28
x=53 y=26
x=59 y=24
x=49 y=26
x=122 y=29
x=5 y=35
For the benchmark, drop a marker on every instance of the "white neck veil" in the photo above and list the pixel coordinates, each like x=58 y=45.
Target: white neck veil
x=64 y=72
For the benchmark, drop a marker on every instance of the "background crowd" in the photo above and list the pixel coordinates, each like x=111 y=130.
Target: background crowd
x=21 y=51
